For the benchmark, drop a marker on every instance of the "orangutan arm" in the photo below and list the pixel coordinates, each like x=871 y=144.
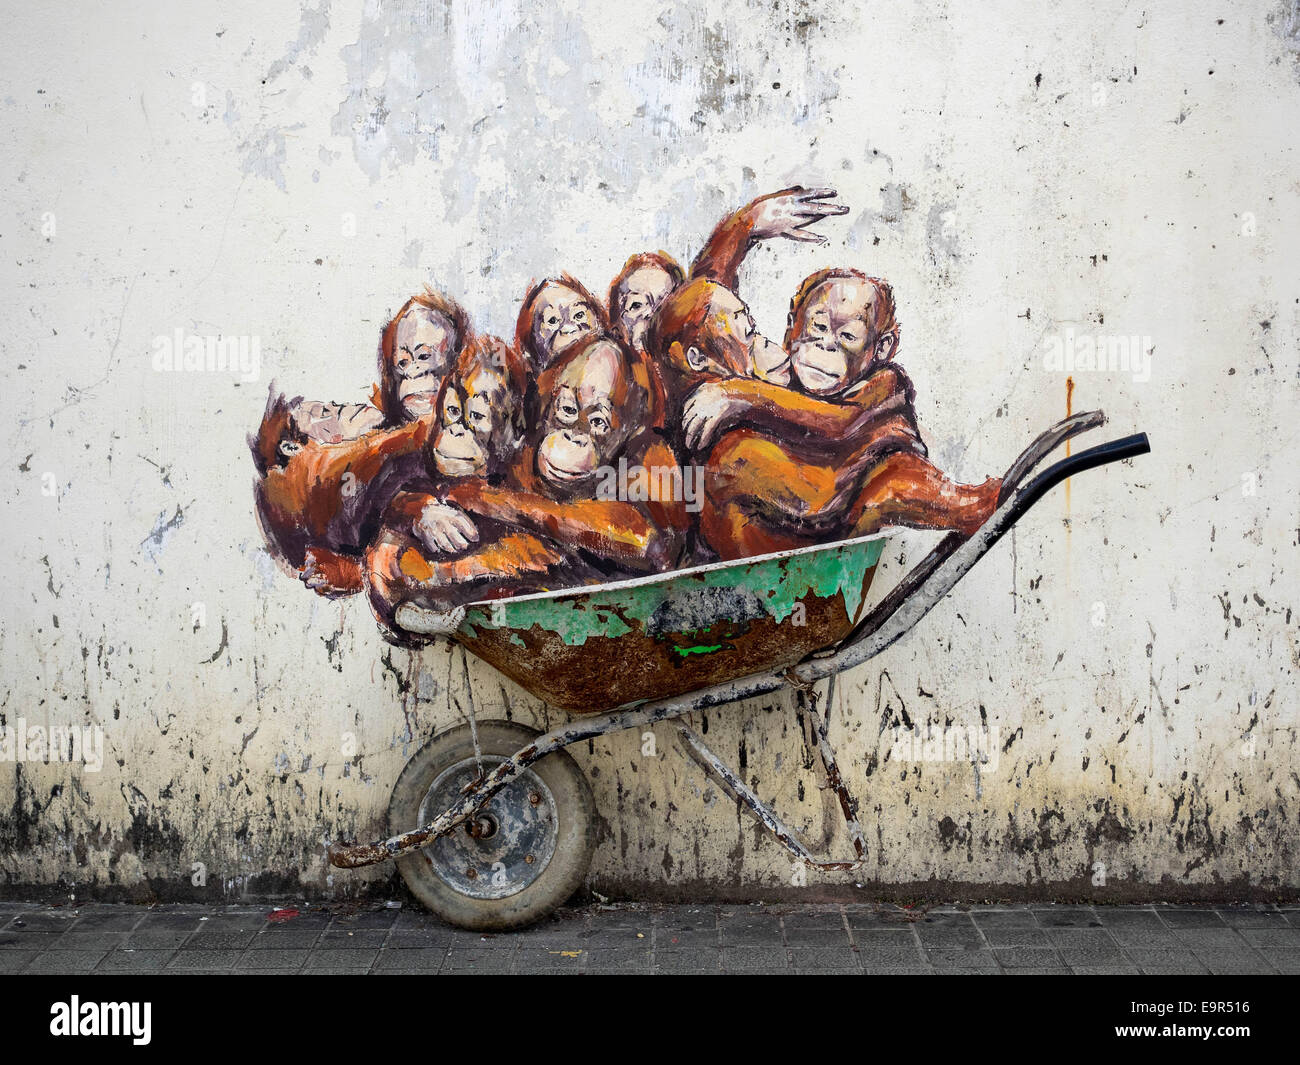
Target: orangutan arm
x=609 y=528
x=825 y=427
x=786 y=214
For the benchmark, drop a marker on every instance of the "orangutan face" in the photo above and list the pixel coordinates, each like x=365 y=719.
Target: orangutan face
x=424 y=340
x=477 y=431
x=562 y=317
x=589 y=417
x=834 y=339
x=638 y=297
x=738 y=348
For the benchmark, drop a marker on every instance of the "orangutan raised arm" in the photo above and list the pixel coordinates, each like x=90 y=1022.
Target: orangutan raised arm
x=787 y=214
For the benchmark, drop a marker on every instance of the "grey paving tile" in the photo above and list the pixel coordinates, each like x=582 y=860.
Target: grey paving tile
x=12 y=961
x=1005 y=919
x=1066 y=916
x=231 y=922
x=685 y=916
x=218 y=939
x=1238 y=966
x=366 y=919
x=957 y=958
x=1081 y=939
x=64 y=961
x=285 y=939
x=1032 y=971
x=876 y=938
x=824 y=959
x=273 y=959
x=23 y=939
x=415 y=920
x=305 y=919
x=1092 y=954
x=898 y=970
x=416 y=959
x=1161 y=938
x=685 y=938
x=876 y=917
x=751 y=930
x=1271 y=936
x=571 y=935
x=339 y=961
x=107 y=921
x=746 y=959
x=825 y=933
x=36 y=921
x=468 y=960
x=1211 y=939
x=1028 y=957
x=895 y=957
x=135 y=961
x=1165 y=961
x=540 y=958
x=1106 y=970
x=204 y=959
x=602 y=960
x=1284 y=961
x=187 y=922
x=687 y=961
x=1179 y=917
x=417 y=939
x=1138 y=917
x=1016 y=936
x=154 y=938
x=952 y=933
x=90 y=940
x=362 y=939
x=1252 y=917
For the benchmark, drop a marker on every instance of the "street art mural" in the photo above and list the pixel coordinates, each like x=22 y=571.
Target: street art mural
x=640 y=508
x=654 y=430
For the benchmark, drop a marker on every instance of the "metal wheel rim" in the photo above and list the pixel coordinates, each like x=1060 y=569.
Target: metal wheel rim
x=516 y=852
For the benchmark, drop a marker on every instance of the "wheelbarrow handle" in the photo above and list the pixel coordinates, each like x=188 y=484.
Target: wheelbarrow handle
x=1116 y=451
x=936 y=575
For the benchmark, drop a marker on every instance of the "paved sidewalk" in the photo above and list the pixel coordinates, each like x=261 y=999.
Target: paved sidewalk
x=655 y=939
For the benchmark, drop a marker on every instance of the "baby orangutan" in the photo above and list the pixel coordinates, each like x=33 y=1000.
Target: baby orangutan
x=546 y=523
x=836 y=454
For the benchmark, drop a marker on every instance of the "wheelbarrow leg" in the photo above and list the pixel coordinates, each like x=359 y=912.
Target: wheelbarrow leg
x=818 y=724
x=738 y=790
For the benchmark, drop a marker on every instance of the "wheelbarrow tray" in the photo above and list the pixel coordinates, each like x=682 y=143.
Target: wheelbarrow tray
x=595 y=647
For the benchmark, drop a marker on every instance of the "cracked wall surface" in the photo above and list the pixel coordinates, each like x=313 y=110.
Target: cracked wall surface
x=1021 y=173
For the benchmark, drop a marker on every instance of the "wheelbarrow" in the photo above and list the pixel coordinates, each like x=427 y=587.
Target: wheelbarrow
x=505 y=823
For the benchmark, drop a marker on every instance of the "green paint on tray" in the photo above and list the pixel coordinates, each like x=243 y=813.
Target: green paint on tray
x=778 y=583
x=702 y=649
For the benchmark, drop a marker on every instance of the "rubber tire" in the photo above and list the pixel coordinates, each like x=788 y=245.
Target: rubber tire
x=574 y=845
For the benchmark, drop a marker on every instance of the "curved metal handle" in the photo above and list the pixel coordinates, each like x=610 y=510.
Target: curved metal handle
x=936 y=575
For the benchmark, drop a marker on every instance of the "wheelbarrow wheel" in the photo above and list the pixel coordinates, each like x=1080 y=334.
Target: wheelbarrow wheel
x=516 y=860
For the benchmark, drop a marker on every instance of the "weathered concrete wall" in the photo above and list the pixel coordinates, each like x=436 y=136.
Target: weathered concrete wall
x=293 y=174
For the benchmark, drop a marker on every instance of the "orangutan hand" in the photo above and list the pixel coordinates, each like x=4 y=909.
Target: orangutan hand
x=788 y=213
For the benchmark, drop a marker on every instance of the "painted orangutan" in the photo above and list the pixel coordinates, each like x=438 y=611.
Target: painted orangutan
x=417 y=348
x=647 y=279
x=835 y=453
x=318 y=504
x=557 y=517
x=556 y=314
